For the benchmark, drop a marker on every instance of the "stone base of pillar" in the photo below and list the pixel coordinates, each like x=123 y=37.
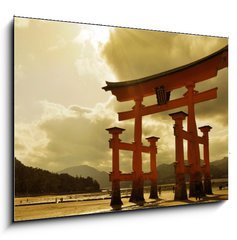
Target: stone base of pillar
x=208 y=186
x=153 y=190
x=180 y=188
x=116 y=201
x=196 y=189
x=137 y=192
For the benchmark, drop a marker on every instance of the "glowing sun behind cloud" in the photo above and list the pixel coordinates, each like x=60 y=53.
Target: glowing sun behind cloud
x=97 y=35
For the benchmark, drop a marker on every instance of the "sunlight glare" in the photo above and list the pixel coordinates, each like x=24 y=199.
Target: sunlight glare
x=97 y=35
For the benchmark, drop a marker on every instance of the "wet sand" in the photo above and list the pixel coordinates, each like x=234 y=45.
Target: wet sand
x=34 y=208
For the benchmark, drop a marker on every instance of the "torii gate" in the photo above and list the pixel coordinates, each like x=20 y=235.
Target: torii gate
x=161 y=85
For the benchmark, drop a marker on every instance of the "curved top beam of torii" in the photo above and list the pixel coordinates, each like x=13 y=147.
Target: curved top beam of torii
x=194 y=72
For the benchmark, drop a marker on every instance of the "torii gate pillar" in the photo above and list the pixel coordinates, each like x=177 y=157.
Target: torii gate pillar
x=207 y=174
x=193 y=145
x=154 y=174
x=115 y=175
x=180 y=188
x=137 y=185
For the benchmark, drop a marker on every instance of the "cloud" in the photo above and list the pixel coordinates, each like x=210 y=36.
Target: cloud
x=56 y=67
x=137 y=53
x=76 y=135
x=59 y=104
x=216 y=110
x=68 y=136
x=134 y=54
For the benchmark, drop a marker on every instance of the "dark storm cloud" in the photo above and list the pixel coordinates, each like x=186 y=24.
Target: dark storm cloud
x=137 y=53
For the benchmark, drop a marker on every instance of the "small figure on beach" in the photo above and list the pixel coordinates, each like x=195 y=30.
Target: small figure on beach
x=159 y=190
x=173 y=188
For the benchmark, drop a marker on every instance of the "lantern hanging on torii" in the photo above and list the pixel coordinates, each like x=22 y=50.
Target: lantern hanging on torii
x=161 y=85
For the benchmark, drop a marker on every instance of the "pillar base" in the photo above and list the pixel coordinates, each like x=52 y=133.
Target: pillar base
x=196 y=189
x=137 y=192
x=208 y=186
x=195 y=186
x=116 y=201
x=153 y=190
x=180 y=188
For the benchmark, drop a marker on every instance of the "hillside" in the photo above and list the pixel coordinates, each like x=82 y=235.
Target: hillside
x=219 y=169
x=84 y=171
x=34 y=181
x=166 y=173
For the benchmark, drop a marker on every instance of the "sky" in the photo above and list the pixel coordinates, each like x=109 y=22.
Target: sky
x=61 y=110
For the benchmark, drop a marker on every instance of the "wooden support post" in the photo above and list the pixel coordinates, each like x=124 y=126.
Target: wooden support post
x=180 y=189
x=137 y=185
x=116 y=201
x=207 y=173
x=195 y=185
x=154 y=175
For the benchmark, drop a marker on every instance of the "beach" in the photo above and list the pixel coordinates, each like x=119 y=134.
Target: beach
x=43 y=207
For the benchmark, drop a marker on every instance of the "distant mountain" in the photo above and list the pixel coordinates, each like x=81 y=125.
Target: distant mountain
x=35 y=181
x=219 y=168
x=86 y=171
x=166 y=174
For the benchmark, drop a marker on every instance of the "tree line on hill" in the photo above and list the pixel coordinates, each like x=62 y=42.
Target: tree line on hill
x=31 y=181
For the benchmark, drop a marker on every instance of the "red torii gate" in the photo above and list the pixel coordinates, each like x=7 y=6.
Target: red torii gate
x=161 y=85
